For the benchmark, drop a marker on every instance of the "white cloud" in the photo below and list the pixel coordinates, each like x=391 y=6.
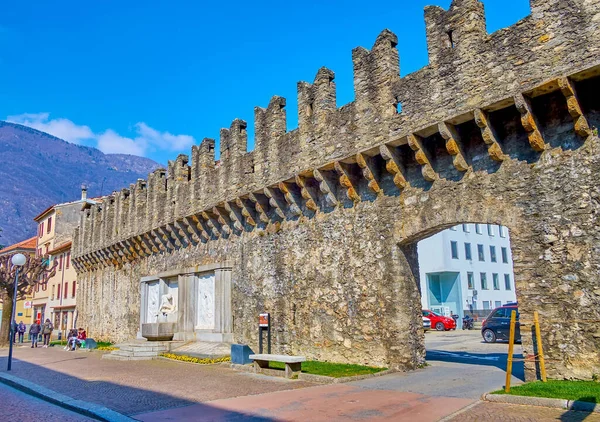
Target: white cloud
x=110 y=142
x=61 y=128
x=146 y=139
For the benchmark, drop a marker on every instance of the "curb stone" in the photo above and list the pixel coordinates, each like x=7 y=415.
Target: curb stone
x=92 y=410
x=544 y=402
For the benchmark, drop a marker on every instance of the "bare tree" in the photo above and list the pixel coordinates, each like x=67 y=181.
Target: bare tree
x=35 y=271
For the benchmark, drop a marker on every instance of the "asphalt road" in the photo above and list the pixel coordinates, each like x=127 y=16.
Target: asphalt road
x=460 y=365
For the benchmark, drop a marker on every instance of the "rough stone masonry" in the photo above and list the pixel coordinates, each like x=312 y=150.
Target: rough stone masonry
x=319 y=225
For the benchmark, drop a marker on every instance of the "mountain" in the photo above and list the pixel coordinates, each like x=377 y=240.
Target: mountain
x=38 y=170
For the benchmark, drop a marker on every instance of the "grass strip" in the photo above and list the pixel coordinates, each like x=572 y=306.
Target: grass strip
x=329 y=369
x=588 y=391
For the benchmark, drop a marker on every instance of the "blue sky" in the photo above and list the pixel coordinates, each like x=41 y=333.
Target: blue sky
x=154 y=77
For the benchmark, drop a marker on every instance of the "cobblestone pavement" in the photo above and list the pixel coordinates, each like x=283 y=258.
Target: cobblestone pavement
x=16 y=406
x=131 y=387
x=486 y=411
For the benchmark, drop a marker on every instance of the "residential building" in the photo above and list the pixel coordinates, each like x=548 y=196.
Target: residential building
x=23 y=309
x=56 y=299
x=467 y=268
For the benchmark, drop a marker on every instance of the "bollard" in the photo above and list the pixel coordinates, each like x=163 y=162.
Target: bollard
x=538 y=339
x=511 y=346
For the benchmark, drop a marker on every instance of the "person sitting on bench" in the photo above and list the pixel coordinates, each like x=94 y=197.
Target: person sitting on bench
x=81 y=336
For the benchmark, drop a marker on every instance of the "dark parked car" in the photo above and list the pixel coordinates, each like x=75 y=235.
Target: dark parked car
x=497 y=325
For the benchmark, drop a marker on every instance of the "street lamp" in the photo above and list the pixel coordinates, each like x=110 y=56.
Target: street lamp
x=18 y=260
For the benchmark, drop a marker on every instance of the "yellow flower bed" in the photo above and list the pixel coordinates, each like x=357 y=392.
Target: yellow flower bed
x=191 y=359
x=107 y=348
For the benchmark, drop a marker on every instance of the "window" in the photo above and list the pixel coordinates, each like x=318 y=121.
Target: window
x=507 y=281
x=454 y=249
x=498 y=313
x=493 y=253
x=497 y=304
x=47 y=247
x=39 y=251
x=466 y=228
x=44 y=286
x=495 y=281
x=41 y=229
x=490 y=230
x=67 y=289
x=502 y=231
x=73 y=292
x=60 y=262
x=483 y=278
x=58 y=291
x=486 y=304
x=468 y=251
x=49 y=225
x=68 y=260
x=504 y=255
x=470 y=281
x=480 y=253
x=478 y=228
x=52 y=297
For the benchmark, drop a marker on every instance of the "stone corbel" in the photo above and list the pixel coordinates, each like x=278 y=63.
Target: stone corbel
x=185 y=233
x=415 y=143
x=453 y=145
x=307 y=192
x=163 y=240
x=212 y=224
x=582 y=127
x=200 y=226
x=489 y=136
x=369 y=171
x=173 y=232
x=247 y=210
x=131 y=247
x=291 y=194
x=529 y=123
x=223 y=219
x=276 y=201
x=147 y=248
x=192 y=228
x=327 y=186
x=235 y=215
x=348 y=180
x=127 y=251
x=393 y=165
x=261 y=206
x=150 y=241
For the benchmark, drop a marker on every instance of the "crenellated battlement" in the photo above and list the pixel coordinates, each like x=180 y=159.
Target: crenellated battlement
x=395 y=125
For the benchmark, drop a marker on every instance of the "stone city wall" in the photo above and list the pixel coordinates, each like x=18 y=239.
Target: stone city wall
x=320 y=224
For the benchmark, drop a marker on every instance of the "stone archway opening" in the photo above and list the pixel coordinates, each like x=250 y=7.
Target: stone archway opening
x=465 y=270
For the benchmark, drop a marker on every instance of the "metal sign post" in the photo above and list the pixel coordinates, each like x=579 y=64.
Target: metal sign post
x=264 y=323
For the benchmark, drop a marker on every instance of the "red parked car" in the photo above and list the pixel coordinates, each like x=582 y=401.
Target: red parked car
x=439 y=322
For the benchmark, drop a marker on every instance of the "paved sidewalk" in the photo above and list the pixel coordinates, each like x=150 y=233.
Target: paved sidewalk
x=16 y=406
x=131 y=387
x=324 y=403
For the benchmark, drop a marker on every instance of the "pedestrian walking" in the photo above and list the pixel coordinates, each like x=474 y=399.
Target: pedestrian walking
x=34 y=331
x=47 y=332
x=21 y=330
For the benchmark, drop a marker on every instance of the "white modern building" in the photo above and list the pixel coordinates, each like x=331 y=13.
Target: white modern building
x=467 y=268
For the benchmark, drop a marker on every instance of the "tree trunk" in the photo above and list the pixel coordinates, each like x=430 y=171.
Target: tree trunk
x=7 y=303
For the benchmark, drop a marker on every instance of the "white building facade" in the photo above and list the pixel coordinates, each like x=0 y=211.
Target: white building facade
x=466 y=269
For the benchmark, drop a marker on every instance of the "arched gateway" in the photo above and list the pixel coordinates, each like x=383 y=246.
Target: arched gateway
x=318 y=226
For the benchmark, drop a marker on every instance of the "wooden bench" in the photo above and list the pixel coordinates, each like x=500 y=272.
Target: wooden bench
x=293 y=364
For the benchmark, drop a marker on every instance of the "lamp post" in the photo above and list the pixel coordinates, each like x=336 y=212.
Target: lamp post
x=18 y=260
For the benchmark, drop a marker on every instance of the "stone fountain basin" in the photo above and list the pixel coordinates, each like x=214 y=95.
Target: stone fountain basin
x=158 y=331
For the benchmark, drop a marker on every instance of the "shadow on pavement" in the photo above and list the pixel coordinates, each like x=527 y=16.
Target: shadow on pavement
x=497 y=360
x=126 y=400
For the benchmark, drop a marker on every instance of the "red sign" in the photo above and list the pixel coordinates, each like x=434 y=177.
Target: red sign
x=263 y=320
